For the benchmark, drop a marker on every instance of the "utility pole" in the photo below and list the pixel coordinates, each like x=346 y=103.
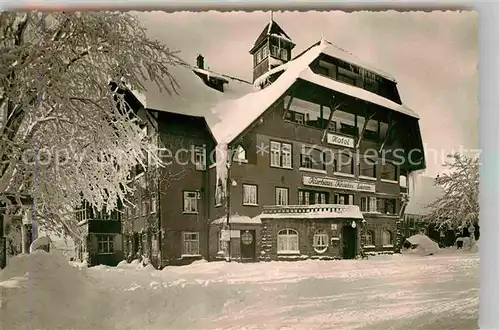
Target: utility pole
x=228 y=206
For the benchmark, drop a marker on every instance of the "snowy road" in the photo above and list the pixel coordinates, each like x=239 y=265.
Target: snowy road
x=387 y=292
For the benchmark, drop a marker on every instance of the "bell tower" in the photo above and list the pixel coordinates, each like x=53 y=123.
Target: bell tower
x=272 y=48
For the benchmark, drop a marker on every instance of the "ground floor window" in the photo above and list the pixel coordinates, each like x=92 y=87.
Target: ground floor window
x=105 y=244
x=222 y=244
x=320 y=241
x=191 y=243
x=386 y=237
x=288 y=241
x=369 y=238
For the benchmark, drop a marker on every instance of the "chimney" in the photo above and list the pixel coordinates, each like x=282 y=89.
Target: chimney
x=200 y=62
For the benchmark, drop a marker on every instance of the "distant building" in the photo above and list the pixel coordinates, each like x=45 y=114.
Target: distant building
x=424 y=193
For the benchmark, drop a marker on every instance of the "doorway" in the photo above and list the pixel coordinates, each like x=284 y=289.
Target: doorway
x=349 y=241
x=247 y=243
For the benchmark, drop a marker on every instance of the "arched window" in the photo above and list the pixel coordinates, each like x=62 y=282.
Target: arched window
x=386 y=237
x=369 y=238
x=288 y=241
x=320 y=241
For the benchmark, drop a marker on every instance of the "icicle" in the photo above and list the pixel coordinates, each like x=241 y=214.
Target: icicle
x=221 y=163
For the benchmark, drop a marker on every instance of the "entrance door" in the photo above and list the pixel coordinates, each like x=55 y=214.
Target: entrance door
x=247 y=238
x=349 y=242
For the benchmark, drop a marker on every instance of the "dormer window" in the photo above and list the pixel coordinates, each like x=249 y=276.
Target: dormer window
x=274 y=50
x=284 y=54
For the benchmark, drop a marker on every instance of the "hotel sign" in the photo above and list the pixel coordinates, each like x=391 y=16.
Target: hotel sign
x=337 y=184
x=340 y=140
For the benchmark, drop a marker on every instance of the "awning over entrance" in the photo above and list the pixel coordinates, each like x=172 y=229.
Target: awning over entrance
x=323 y=211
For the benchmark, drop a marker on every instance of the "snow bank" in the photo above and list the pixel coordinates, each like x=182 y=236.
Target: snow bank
x=41 y=243
x=42 y=290
x=422 y=245
x=236 y=218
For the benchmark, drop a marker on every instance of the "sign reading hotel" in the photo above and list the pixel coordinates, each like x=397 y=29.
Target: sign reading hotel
x=337 y=184
x=340 y=140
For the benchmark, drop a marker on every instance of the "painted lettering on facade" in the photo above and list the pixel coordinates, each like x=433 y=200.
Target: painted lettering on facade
x=340 y=140
x=337 y=184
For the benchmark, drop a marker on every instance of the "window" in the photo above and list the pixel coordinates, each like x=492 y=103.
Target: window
x=306 y=161
x=105 y=244
x=343 y=199
x=368 y=204
x=281 y=196
x=323 y=71
x=246 y=238
x=240 y=154
x=153 y=205
x=312 y=159
x=312 y=197
x=386 y=238
x=275 y=154
x=218 y=195
x=299 y=118
x=284 y=54
x=345 y=163
x=368 y=167
x=372 y=206
x=259 y=56
x=249 y=194
x=369 y=238
x=388 y=172
x=265 y=52
x=281 y=154
x=190 y=202
x=191 y=243
x=200 y=158
x=286 y=155
x=388 y=206
x=222 y=244
x=288 y=241
x=320 y=241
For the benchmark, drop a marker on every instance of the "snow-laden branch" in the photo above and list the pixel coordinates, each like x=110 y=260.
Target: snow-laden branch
x=57 y=110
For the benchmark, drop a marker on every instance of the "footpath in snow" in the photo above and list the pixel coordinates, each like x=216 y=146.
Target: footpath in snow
x=43 y=290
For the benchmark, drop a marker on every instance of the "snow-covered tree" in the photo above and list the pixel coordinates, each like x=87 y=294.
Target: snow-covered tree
x=459 y=206
x=65 y=134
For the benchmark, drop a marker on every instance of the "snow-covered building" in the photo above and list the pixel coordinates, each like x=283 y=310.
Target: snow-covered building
x=318 y=155
x=175 y=202
x=310 y=158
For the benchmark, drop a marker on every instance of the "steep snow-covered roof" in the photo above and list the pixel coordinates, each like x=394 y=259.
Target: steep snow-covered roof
x=271 y=29
x=193 y=97
x=425 y=192
x=237 y=115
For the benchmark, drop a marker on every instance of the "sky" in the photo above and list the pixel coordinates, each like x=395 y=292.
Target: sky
x=433 y=56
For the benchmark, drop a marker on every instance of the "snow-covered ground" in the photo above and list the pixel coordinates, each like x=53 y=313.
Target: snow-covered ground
x=42 y=290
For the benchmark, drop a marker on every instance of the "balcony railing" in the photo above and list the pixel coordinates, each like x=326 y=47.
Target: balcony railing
x=316 y=208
